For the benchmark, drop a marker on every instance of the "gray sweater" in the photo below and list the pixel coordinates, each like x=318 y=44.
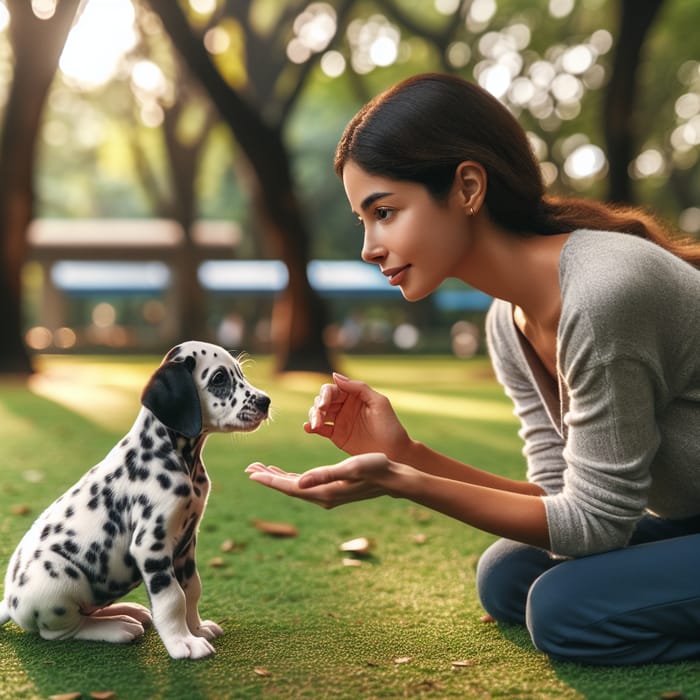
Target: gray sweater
x=618 y=433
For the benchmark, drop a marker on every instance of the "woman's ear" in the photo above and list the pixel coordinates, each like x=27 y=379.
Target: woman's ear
x=471 y=182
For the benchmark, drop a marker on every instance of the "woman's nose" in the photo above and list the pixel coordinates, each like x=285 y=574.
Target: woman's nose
x=372 y=252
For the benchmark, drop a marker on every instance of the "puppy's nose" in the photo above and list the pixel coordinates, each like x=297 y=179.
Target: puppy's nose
x=262 y=403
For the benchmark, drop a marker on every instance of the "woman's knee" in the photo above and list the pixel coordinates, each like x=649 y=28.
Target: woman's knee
x=566 y=620
x=504 y=575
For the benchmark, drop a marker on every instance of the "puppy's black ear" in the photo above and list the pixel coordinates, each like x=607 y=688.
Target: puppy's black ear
x=171 y=395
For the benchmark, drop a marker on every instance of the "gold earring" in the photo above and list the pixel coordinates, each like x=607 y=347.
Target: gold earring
x=471 y=211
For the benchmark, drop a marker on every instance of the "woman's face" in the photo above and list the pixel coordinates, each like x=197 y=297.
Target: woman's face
x=416 y=241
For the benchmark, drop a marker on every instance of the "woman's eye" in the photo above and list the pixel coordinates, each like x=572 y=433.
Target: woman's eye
x=383 y=213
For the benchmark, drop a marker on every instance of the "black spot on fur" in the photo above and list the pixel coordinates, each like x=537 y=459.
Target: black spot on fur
x=173 y=465
x=71 y=572
x=151 y=566
x=177 y=350
x=159 y=582
x=164 y=480
x=71 y=547
x=182 y=490
x=190 y=568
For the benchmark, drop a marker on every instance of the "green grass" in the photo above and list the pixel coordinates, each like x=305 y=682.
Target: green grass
x=320 y=629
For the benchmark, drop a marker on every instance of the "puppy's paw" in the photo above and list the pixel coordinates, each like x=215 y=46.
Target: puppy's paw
x=208 y=630
x=190 y=647
x=127 y=630
x=119 y=629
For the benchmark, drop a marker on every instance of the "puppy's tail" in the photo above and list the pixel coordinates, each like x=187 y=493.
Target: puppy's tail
x=4 y=615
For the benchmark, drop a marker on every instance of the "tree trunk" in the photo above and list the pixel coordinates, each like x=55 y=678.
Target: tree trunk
x=299 y=318
x=636 y=17
x=37 y=46
x=183 y=159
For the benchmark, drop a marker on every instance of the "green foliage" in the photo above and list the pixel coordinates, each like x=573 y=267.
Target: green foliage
x=298 y=623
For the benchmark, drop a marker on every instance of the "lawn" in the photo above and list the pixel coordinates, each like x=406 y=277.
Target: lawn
x=299 y=622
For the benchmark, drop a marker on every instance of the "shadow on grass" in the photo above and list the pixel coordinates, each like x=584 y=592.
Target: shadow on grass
x=677 y=680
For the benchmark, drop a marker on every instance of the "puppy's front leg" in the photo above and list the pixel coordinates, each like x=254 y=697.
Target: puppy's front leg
x=154 y=559
x=188 y=576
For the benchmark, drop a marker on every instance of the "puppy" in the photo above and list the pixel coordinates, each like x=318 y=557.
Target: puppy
x=134 y=517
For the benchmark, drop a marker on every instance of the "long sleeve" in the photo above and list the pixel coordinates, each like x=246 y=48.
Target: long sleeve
x=629 y=390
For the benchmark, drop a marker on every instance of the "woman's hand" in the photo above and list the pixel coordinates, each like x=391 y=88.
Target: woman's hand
x=357 y=419
x=354 y=479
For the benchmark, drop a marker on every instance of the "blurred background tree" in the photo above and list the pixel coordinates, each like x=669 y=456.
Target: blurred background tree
x=240 y=121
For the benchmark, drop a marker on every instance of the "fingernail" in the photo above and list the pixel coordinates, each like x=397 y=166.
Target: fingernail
x=341 y=376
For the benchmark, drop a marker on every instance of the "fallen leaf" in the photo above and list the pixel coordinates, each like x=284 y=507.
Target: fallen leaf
x=421 y=515
x=33 y=476
x=103 y=694
x=360 y=546
x=462 y=664
x=66 y=696
x=261 y=671
x=217 y=562
x=20 y=509
x=671 y=695
x=275 y=529
x=486 y=618
x=419 y=538
x=348 y=561
x=403 y=660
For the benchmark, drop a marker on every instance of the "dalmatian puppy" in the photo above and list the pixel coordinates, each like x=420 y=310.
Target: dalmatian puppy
x=134 y=517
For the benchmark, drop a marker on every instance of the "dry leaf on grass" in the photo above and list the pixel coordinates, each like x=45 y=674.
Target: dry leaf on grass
x=347 y=561
x=66 y=696
x=462 y=664
x=486 y=618
x=103 y=694
x=261 y=671
x=275 y=529
x=403 y=660
x=230 y=545
x=419 y=538
x=360 y=546
x=217 y=562
x=20 y=509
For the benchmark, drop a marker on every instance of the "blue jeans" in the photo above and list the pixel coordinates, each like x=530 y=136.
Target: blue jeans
x=635 y=605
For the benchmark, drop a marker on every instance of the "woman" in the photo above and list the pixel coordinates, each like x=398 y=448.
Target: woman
x=595 y=335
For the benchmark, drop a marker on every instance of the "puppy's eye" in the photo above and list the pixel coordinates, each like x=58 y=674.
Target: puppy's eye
x=218 y=378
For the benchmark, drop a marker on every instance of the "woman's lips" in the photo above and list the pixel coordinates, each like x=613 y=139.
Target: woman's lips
x=396 y=274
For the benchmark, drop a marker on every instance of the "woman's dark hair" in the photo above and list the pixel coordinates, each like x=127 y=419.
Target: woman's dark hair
x=422 y=128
